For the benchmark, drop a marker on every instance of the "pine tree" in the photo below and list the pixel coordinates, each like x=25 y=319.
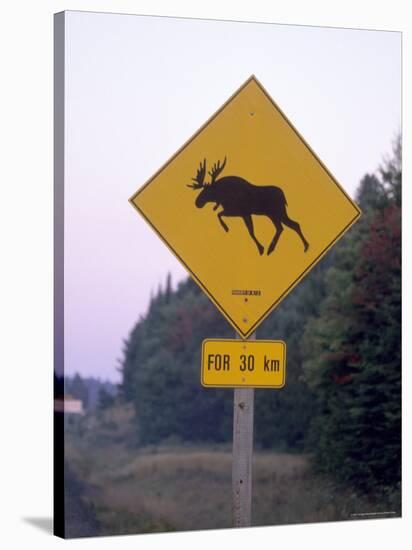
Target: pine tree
x=353 y=349
x=168 y=291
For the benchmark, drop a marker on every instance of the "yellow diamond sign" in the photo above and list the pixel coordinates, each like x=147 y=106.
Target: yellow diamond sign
x=247 y=207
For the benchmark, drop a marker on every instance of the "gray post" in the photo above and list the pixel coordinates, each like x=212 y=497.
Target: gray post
x=242 y=455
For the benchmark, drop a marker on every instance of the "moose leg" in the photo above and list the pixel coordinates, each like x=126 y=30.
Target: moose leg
x=249 y=225
x=296 y=227
x=275 y=239
x=220 y=216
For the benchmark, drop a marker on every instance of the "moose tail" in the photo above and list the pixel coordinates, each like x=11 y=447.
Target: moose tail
x=282 y=197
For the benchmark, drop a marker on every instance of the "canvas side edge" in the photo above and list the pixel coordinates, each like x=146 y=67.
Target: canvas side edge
x=58 y=260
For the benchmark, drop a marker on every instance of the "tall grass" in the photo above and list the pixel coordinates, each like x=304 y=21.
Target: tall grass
x=185 y=488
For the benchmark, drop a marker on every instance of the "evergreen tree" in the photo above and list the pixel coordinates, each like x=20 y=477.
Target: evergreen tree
x=106 y=399
x=353 y=348
x=371 y=195
x=391 y=173
x=168 y=291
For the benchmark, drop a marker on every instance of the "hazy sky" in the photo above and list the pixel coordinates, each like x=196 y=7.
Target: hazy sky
x=138 y=87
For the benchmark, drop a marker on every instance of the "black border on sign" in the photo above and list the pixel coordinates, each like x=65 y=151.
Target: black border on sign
x=244 y=334
x=252 y=342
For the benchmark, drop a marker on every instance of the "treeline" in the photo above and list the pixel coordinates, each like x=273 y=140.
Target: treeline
x=342 y=329
x=352 y=346
x=93 y=392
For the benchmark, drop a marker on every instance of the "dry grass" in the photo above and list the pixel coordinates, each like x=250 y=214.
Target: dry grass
x=190 y=488
x=186 y=487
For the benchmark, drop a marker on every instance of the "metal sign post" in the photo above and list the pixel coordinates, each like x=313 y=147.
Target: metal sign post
x=243 y=408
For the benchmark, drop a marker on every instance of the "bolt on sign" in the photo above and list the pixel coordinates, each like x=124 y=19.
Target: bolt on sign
x=249 y=364
x=247 y=207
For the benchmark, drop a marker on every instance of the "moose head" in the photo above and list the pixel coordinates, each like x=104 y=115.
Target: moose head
x=208 y=193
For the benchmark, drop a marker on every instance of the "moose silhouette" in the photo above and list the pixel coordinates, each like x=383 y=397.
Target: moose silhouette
x=239 y=198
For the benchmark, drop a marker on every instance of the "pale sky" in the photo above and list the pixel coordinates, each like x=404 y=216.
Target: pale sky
x=138 y=87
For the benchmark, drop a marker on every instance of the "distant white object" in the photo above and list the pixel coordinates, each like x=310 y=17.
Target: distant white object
x=69 y=405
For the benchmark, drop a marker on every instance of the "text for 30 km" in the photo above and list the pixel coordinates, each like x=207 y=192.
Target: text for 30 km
x=222 y=362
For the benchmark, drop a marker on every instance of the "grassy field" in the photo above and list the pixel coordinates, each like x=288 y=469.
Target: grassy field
x=180 y=487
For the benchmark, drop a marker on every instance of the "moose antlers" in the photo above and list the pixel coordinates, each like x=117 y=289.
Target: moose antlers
x=200 y=176
x=215 y=171
x=201 y=172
